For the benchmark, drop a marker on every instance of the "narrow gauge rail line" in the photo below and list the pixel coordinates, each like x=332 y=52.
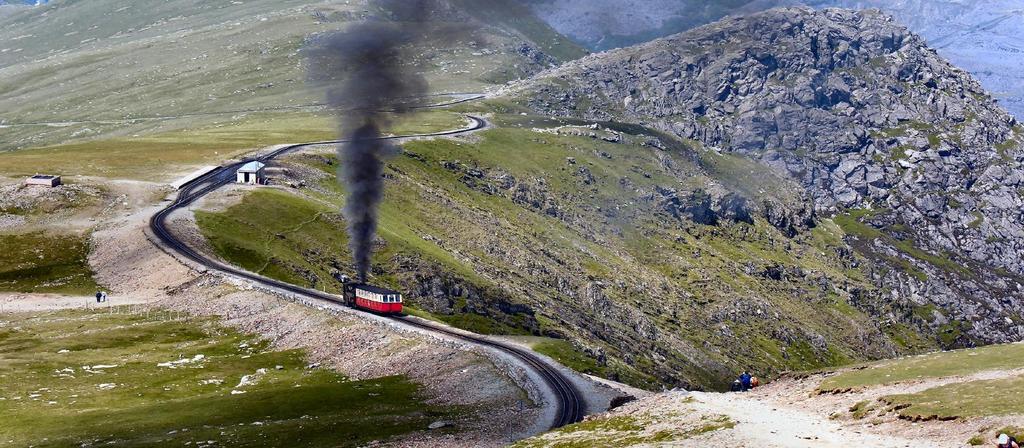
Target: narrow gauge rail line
x=570 y=405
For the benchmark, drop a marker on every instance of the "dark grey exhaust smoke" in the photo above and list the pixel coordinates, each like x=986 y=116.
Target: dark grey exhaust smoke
x=369 y=79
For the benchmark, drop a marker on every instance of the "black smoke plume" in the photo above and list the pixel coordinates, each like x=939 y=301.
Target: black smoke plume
x=369 y=79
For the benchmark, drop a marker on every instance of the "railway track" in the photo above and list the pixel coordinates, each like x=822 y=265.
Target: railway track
x=569 y=407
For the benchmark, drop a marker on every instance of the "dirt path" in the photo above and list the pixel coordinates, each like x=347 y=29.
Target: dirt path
x=800 y=393
x=19 y=303
x=764 y=424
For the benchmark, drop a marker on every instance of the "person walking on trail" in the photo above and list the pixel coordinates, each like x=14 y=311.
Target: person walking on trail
x=745 y=380
x=104 y=293
x=1005 y=441
x=99 y=296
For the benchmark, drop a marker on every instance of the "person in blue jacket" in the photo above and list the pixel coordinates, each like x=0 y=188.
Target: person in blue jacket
x=745 y=380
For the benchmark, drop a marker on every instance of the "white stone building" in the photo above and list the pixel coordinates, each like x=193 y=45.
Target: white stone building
x=252 y=173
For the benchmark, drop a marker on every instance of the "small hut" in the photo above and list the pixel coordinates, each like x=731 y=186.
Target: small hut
x=45 y=180
x=252 y=173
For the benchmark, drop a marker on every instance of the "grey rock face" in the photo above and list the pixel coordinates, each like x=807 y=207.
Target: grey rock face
x=980 y=36
x=855 y=108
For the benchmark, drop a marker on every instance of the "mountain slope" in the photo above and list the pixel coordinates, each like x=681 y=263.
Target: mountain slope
x=910 y=152
x=574 y=231
x=683 y=240
x=983 y=37
x=77 y=69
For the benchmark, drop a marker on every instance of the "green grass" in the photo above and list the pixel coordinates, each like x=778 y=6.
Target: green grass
x=41 y=262
x=626 y=430
x=900 y=152
x=281 y=236
x=944 y=262
x=983 y=398
x=242 y=57
x=300 y=241
x=51 y=397
x=926 y=312
x=427 y=121
x=861 y=409
x=619 y=423
x=979 y=219
x=989 y=437
x=933 y=365
x=852 y=224
x=507 y=216
x=160 y=156
x=475 y=323
x=565 y=353
x=908 y=339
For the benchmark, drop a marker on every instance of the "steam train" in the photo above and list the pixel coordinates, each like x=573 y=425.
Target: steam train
x=373 y=298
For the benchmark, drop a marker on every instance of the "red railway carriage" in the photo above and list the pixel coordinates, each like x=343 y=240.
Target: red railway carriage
x=373 y=298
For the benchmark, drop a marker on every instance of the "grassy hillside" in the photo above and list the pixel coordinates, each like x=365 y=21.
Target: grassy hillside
x=84 y=378
x=76 y=69
x=163 y=156
x=539 y=227
x=933 y=365
x=978 y=387
x=985 y=384
x=37 y=262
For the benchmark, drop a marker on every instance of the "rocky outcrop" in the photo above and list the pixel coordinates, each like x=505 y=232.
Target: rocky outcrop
x=862 y=114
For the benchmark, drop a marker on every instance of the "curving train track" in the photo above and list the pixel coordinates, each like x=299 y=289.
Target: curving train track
x=569 y=405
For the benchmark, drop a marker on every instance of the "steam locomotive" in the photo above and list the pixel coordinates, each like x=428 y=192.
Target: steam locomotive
x=372 y=298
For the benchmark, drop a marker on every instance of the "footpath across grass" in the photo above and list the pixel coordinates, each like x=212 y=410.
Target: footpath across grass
x=95 y=379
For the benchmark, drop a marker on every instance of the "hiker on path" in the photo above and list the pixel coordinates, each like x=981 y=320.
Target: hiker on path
x=1005 y=441
x=745 y=380
x=99 y=296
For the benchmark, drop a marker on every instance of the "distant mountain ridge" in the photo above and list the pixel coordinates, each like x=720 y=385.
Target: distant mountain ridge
x=983 y=37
